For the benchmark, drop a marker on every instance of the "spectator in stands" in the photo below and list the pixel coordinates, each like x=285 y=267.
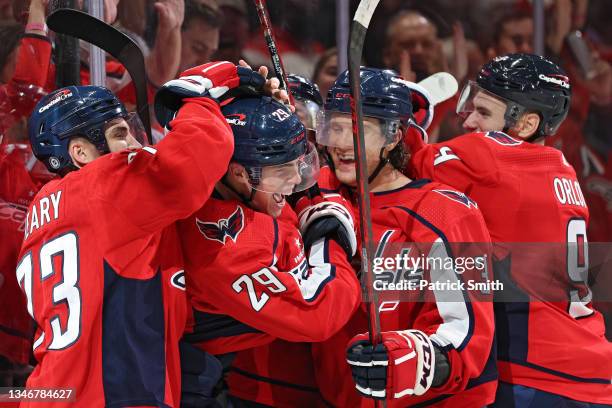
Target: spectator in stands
x=413 y=32
x=234 y=30
x=326 y=71
x=199 y=33
x=512 y=33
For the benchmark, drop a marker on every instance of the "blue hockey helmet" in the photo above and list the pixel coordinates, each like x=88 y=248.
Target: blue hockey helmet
x=384 y=95
x=66 y=113
x=270 y=142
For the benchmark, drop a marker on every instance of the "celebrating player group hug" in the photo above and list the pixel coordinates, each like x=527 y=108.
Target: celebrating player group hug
x=221 y=266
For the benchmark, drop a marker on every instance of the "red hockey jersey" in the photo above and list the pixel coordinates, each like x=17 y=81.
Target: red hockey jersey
x=101 y=265
x=250 y=279
x=528 y=193
x=421 y=212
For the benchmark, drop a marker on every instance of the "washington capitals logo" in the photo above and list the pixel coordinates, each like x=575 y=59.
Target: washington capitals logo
x=503 y=139
x=458 y=197
x=225 y=227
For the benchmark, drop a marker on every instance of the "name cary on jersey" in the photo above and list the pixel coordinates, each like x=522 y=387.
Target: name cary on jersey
x=43 y=211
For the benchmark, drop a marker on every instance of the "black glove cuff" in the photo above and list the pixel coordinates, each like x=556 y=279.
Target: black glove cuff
x=441 y=369
x=327 y=227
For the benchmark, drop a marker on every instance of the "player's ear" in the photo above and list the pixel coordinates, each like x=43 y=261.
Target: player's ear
x=82 y=151
x=396 y=139
x=527 y=125
x=238 y=172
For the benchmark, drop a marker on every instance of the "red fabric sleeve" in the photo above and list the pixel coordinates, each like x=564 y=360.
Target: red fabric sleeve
x=308 y=302
x=463 y=329
x=160 y=185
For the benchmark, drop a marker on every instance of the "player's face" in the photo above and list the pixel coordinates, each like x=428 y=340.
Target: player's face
x=275 y=183
x=271 y=204
x=119 y=136
x=488 y=114
x=341 y=150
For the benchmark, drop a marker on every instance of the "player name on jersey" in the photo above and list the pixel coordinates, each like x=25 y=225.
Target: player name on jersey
x=568 y=192
x=42 y=212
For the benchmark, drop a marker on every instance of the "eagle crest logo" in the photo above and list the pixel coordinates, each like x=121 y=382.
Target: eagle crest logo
x=224 y=228
x=458 y=197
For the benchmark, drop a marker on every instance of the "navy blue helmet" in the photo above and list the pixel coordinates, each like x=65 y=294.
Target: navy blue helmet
x=383 y=95
x=67 y=113
x=534 y=83
x=265 y=132
x=304 y=89
x=270 y=142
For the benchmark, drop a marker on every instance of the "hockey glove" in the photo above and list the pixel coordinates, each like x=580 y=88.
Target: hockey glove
x=401 y=364
x=330 y=216
x=216 y=80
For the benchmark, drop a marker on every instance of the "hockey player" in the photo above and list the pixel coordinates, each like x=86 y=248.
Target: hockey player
x=250 y=277
x=99 y=262
x=551 y=345
x=438 y=349
x=407 y=216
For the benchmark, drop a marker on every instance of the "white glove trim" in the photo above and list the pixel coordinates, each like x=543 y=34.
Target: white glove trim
x=327 y=209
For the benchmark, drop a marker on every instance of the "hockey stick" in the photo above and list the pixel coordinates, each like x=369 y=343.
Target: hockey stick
x=87 y=28
x=277 y=63
x=66 y=52
x=363 y=15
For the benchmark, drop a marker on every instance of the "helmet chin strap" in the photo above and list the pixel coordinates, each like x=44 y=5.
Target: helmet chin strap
x=382 y=162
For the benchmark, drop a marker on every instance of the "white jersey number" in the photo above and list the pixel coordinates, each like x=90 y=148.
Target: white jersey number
x=578 y=268
x=266 y=278
x=66 y=292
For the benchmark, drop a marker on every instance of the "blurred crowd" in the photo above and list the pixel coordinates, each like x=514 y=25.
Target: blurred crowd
x=416 y=38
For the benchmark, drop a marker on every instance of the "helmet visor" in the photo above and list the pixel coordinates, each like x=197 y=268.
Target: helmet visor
x=475 y=98
x=307 y=111
x=335 y=129
x=129 y=127
x=287 y=178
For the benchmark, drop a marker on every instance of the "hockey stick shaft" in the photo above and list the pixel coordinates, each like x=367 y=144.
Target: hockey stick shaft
x=363 y=15
x=87 y=28
x=66 y=52
x=277 y=62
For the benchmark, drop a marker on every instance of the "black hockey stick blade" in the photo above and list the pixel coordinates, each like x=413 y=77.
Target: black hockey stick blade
x=363 y=15
x=123 y=48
